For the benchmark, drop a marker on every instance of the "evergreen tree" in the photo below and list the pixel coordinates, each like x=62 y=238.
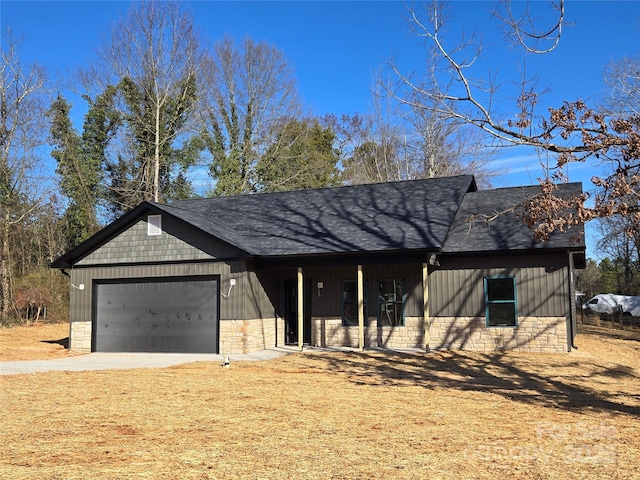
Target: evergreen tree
x=79 y=163
x=302 y=157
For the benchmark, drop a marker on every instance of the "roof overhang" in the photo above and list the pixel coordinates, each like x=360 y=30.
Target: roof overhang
x=346 y=258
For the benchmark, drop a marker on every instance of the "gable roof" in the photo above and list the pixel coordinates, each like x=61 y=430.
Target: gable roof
x=427 y=215
x=409 y=215
x=507 y=232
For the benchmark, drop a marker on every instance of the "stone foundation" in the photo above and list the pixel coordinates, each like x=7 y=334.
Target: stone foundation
x=80 y=337
x=245 y=336
x=329 y=332
x=533 y=334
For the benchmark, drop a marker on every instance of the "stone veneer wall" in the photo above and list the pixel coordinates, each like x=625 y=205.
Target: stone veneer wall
x=245 y=336
x=533 y=334
x=236 y=336
x=329 y=332
x=80 y=337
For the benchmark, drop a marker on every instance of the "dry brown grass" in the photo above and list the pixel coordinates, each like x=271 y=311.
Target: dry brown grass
x=336 y=415
x=38 y=341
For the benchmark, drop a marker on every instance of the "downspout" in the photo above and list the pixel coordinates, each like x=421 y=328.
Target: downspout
x=360 y=309
x=572 y=306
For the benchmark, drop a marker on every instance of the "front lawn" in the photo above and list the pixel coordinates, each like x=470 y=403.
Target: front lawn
x=336 y=415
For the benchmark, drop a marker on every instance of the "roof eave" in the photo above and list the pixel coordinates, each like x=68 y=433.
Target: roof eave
x=97 y=240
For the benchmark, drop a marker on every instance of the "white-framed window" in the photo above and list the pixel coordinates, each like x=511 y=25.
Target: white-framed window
x=154 y=224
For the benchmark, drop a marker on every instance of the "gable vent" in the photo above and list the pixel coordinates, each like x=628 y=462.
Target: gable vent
x=154 y=225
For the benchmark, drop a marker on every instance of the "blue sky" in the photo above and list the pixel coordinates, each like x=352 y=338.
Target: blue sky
x=335 y=47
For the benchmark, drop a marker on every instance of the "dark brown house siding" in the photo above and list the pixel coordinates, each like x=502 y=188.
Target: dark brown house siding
x=457 y=289
x=81 y=300
x=327 y=301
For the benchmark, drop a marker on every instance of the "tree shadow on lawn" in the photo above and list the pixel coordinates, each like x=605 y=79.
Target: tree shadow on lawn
x=580 y=384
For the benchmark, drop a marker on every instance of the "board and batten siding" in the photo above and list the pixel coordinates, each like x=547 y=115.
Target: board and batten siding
x=457 y=289
x=180 y=250
x=177 y=242
x=327 y=302
x=231 y=308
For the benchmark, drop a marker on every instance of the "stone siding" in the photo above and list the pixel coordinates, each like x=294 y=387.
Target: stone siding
x=533 y=334
x=329 y=332
x=245 y=336
x=80 y=337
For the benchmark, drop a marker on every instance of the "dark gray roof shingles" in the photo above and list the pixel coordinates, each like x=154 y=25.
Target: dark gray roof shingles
x=381 y=217
x=418 y=215
x=506 y=232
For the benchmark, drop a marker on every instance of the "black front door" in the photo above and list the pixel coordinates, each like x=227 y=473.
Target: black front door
x=291 y=312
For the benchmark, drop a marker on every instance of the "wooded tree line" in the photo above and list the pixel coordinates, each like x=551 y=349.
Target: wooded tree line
x=170 y=115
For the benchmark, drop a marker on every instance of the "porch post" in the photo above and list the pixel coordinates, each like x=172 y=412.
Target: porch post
x=360 y=309
x=425 y=305
x=300 y=309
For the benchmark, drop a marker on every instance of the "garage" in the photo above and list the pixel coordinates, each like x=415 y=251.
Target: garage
x=172 y=315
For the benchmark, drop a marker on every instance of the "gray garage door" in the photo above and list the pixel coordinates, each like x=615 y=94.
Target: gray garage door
x=168 y=315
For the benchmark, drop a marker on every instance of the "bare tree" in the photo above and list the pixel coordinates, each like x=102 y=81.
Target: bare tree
x=621 y=243
x=619 y=235
x=22 y=112
x=152 y=56
x=373 y=146
x=526 y=29
x=446 y=146
x=623 y=80
x=248 y=94
x=589 y=280
x=573 y=132
x=393 y=142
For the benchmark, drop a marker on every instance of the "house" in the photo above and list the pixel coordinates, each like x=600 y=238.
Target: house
x=391 y=265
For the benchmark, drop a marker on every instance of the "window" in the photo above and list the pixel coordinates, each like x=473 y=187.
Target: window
x=350 y=303
x=500 y=301
x=154 y=225
x=391 y=302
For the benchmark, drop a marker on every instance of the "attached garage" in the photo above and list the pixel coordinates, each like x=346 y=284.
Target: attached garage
x=236 y=274
x=172 y=315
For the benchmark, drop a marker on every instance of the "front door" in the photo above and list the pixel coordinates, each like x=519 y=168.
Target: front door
x=291 y=312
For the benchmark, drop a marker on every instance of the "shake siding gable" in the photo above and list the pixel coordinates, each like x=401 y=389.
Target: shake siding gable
x=177 y=242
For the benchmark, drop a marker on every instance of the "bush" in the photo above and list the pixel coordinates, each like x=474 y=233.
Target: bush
x=42 y=295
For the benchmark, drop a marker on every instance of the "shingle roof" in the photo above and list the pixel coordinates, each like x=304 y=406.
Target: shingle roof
x=410 y=216
x=507 y=232
x=380 y=217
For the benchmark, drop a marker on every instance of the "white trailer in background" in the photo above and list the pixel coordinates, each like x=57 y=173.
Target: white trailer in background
x=609 y=303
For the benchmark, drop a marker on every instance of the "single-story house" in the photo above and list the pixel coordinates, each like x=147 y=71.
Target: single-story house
x=390 y=265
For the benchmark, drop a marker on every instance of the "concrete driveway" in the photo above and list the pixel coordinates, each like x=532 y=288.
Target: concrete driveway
x=123 y=361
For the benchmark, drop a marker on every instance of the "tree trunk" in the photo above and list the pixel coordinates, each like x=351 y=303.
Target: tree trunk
x=156 y=159
x=5 y=270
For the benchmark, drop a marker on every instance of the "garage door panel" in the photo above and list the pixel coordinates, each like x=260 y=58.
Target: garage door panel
x=157 y=316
